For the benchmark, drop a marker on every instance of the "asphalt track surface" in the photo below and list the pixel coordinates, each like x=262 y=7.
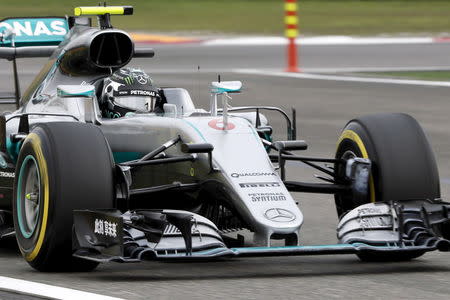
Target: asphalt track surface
x=311 y=57
x=323 y=108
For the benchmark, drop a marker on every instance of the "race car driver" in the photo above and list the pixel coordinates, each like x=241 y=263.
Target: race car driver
x=128 y=91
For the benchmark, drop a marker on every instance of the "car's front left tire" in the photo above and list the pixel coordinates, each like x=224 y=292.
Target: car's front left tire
x=62 y=166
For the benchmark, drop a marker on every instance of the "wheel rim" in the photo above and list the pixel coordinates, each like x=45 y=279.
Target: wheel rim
x=28 y=196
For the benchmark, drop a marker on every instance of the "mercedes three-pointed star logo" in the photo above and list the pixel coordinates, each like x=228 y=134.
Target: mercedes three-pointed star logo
x=279 y=215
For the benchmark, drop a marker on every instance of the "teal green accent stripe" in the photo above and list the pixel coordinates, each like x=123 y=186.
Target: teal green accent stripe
x=196 y=129
x=25 y=233
x=13 y=149
x=120 y=157
x=223 y=90
x=262 y=249
x=90 y=93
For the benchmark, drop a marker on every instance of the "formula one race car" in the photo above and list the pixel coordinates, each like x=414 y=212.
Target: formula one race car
x=77 y=188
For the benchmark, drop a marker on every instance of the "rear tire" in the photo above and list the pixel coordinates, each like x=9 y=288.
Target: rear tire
x=62 y=166
x=403 y=164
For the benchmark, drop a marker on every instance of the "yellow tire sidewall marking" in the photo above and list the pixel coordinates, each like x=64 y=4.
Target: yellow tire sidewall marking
x=353 y=136
x=43 y=172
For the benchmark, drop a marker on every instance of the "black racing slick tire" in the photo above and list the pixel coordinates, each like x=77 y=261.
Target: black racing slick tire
x=403 y=163
x=62 y=166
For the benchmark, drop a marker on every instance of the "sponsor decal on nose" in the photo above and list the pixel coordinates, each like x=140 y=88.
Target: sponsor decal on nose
x=267 y=197
x=259 y=184
x=280 y=215
x=255 y=174
x=218 y=125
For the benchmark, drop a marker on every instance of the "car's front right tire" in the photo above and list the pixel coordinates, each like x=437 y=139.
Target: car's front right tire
x=403 y=164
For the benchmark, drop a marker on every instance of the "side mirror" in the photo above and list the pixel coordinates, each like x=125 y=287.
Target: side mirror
x=86 y=93
x=65 y=91
x=226 y=87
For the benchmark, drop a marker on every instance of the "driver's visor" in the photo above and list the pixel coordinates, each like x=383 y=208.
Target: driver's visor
x=141 y=104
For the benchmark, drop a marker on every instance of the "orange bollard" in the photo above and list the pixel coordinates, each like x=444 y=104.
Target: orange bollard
x=291 y=33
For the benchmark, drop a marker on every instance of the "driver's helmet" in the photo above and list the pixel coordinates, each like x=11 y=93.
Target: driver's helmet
x=129 y=90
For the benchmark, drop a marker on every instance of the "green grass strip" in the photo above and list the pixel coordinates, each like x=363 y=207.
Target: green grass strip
x=319 y=17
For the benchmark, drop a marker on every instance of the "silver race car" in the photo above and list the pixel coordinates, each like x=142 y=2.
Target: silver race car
x=78 y=187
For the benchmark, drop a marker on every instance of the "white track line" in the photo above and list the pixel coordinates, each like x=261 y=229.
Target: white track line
x=48 y=291
x=320 y=40
x=342 y=78
x=373 y=69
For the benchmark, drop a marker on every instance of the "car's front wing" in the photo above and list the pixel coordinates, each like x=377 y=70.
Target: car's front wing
x=381 y=229
x=265 y=252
